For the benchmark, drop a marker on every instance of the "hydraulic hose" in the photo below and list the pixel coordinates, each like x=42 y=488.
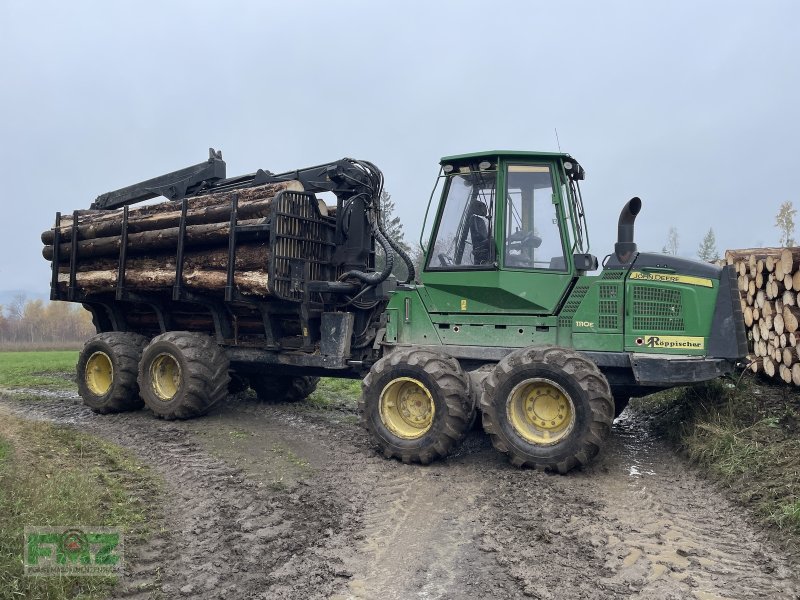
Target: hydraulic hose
x=376 y=277
x=402 y=253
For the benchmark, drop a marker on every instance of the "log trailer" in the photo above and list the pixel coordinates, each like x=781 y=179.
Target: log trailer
x=506 y=320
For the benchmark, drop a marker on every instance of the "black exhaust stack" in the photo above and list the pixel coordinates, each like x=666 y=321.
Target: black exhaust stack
x=625 y=247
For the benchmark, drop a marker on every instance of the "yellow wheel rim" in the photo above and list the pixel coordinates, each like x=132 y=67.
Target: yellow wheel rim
x=165 y=373
x=407 y=408
x=541 y=412
x=99 y=373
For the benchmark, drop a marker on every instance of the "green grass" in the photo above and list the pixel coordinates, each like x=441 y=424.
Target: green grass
x=53 y=370
x=745 y=436
x=55 y=476
x=336 y=393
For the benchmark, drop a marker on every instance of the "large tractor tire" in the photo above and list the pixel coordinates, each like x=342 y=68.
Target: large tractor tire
x=107 y=368
x=548 y=408
x=182 y=375
x=283 y=388
x=416 y=405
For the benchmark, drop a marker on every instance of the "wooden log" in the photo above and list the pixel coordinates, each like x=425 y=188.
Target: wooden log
x=760 y=266
x=779 y=273
x=791 y=318
x=782 y=340
x=253 y=203
x=789 y=298
x=789 y=356
x=751 y=264
x=755 y=365
x=778 y=306
x=768 y=308
x=765 y=325
x=249 y=257
x=756 y=332
x=761 y=297
x=751 y=287
x=796 y=281
x=769 y=264
x=769 y=366
x=748 y=316
x=785 y=373
x=756 y=314
x=160 y=280
x=759 y=279
x=792 y=338
x=796 y=373
x=790 y=259
x=151 y=241
x=777 y=324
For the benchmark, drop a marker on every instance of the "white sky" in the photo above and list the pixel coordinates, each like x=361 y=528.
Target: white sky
x=691 y=106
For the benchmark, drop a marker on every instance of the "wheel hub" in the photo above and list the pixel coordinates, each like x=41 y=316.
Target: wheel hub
x=407 y=408
x=99 y=373
x=165 y=373
x=540 y=411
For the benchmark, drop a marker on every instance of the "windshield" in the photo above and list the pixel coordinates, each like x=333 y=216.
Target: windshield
x=464 y=235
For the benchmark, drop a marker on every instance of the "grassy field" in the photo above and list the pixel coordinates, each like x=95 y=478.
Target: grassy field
x=56 y=476
x=59 y=477
x=52 y=370
x=746 y=436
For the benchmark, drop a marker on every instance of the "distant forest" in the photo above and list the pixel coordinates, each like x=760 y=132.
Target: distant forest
x=36 y=323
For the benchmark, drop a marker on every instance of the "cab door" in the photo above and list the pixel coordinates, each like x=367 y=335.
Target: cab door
x=496 y=252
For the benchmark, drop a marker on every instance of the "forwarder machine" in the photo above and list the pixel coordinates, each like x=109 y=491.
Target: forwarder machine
x=506 y=319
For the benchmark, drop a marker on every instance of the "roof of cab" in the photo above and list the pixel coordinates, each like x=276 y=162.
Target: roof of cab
x=505 y=154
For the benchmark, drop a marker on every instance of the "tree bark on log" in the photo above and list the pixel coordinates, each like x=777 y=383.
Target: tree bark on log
x=210 y=208
x=252 y=283
x=148 y=241
x=249 y=257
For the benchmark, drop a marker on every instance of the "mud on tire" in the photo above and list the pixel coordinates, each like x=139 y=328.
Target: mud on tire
x=182 y=375
x=435 y=385
x=579 y=407
x=107 y=368
x=283 y=388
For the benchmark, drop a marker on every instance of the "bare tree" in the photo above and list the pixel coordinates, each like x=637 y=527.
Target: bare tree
x=671 y=247
x=784 y=221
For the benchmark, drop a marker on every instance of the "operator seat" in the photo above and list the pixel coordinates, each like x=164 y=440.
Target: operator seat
x=479 y=232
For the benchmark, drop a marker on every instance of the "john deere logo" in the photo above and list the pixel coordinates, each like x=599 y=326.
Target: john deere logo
x=60 y=551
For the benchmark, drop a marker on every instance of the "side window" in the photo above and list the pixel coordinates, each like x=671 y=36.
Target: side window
x=464 y=237
x=533 y=237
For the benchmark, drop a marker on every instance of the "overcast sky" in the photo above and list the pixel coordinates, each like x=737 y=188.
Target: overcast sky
x=693 y=106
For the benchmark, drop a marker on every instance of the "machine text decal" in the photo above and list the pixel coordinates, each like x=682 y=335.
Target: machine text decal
x=672 y=342
x=669 y=278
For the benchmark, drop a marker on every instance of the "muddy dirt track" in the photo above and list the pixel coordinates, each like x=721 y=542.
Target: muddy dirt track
x=288 y=501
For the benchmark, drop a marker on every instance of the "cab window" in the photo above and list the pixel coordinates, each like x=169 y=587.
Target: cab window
x=533 y=237
x=464 y=237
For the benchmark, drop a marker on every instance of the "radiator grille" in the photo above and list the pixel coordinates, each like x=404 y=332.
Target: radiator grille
x=575 y=299
x=657 y=309
x=608 y=307
x=301 y=245
x=612 y=275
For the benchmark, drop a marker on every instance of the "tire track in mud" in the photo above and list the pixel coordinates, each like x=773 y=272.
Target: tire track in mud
x=419 y=528
x=638 y=524
x=669 y=535
x=221 y=535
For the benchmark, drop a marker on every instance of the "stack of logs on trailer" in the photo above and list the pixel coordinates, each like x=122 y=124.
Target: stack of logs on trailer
x=152 y=234
x=769 y=284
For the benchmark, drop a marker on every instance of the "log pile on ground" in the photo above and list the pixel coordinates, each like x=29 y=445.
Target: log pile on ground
x=151 y=252
x=769 y=284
